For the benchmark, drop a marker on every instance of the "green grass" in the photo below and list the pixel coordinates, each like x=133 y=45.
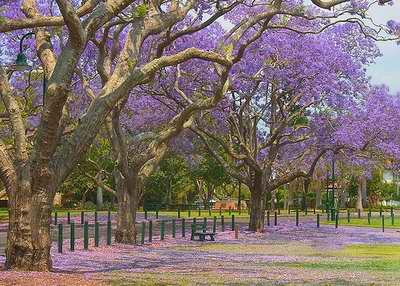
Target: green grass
x=380 y=263
x=195 y=213
x=371 y=251
x=356 y=258
x=278 y=249
x=3 y=213
x=60 y=213
x=376 y=222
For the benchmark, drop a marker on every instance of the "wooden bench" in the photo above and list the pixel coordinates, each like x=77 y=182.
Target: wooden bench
x=203 y=233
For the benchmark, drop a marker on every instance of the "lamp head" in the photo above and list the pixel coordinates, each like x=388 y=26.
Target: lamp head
x=21 y=60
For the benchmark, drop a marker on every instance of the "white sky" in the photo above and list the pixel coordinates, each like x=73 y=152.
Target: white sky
x=387 y=68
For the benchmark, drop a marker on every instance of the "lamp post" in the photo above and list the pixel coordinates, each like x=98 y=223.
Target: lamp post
x=21 y=63
x=330 y=189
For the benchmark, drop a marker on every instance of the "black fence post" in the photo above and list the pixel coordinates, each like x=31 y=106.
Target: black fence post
x=72 y=236
x=337 y=219
x=96 y=234
x=173 y=228
x=82 y=217
x=193 y=230
x=268 y=223
x=150 y=231
x=60 y=238
x=183 y=228
x=109 y=232
x=215 y=224
x=143 y=232
x=233 y=222
x=222 y=224
x=276 y=219
x=317 y=220
x=162 y=228
x=297 y=217
x=86 y=236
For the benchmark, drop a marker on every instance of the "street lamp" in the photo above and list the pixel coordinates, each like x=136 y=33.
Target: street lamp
x=21 y=62
x=331 y=187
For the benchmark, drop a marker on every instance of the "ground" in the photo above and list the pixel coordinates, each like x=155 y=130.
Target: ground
x=283 y=255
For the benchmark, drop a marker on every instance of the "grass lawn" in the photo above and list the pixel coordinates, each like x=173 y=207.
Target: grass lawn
x=375 y=222
x=195 y=213
x=3 y=213
x=283 y=255
x=292 y=264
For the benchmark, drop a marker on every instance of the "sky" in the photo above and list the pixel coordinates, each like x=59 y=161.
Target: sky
x=386 y=70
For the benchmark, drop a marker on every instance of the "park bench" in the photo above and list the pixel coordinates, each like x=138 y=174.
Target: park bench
x=202 y=233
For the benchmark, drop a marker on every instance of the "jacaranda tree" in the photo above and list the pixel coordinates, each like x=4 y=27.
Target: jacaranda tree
x=105 y=49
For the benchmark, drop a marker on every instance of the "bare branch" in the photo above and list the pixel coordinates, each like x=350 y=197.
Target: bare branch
x=8 y=25
x=328 y=4
x=76 y=32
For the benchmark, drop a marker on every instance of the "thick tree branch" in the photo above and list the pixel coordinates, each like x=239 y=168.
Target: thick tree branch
x=8 y=25
x=328 y=4
x=73 y=23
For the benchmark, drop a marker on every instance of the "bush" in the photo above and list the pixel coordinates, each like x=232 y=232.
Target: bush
x=89 y=205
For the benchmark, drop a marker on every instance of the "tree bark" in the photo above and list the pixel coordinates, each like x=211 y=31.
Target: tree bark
x=359 y=204
x=99 y=198
x=127 y=209
x=28 y=238
x=240 y=196
x=257 y=205
x=343 y=198
x=364 y=196
x=318 y=198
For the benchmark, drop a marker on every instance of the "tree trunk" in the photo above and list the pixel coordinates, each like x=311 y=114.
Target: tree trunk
x=291 y=193
x=240 y=197
x=257 y=205
x=359 y=204
x=273 y=200
x=99 y=198
x=28 y=238
x=318 y=198
x=343 y=198
x=127 y=207
x=363 y=183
